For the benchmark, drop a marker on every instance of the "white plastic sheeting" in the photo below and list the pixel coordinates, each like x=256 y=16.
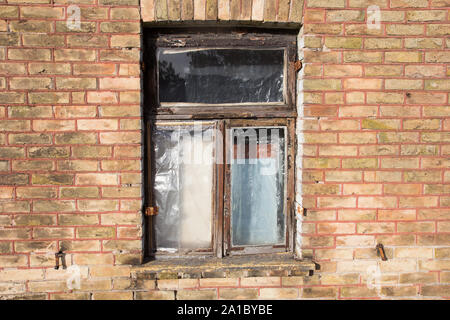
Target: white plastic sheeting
x=184 y=168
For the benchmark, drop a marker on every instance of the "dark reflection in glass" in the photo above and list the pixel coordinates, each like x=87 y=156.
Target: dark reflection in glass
x=221 y=75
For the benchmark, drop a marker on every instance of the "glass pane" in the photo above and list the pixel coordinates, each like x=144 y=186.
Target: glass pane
x=258 y=186
x=221 y=75
x=183 y=167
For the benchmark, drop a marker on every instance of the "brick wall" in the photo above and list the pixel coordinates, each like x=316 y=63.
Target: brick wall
x=70 y=140
x=376 y=153
x=376 y=162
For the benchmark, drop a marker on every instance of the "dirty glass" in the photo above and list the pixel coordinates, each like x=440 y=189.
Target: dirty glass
x=183 y=182
x=257 y=186
x=217 y=76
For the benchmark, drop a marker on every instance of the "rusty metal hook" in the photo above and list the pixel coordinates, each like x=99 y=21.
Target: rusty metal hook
x=381 y=251
x=61 y=255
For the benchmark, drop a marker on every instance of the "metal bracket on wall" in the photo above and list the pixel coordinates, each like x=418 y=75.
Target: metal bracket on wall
x=297 y=65
x=151 y=211
x=381 y=251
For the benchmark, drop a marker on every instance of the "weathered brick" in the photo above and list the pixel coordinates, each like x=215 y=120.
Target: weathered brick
x=48 y=97
x=52 y=179
x=120 y=218
x=12 y=152
x=31 y=26
x=12 y=68
x=79 y=192
x=325 y=57
x=278 y=293
x=319 y=292
x=30 y=111
x=122 y=41
x=97 y=284
x=398 y=137
x=383 y=70
x=358 y=292
x=81 y=40
x=43 y=152
x=93 y=13
x=320 y=163
x=238 y=293
x=76 y=138
x=24 y=138
x=120 y=27
x=96 y=179
x=409 y=3
x=98 y=205
x=384 y=98
x=119 y=55
x=205 y=294
x=85 y=26
x=437 y=56
x=80 y=245
x=122 y=244
x=53 y=125
x=326 y=4
x=359 y=163
x=92 y=152
x=403 y=84
x=70 y=296
x=76 y=83
x=74 y=55
x=405 y=29
x=14 y=125
x=120 y=137
x=9 y=39
x=124 y=192
x=112 y=295
x=402 y=56
x=155 y=295
x=14 y=179
x=35 y=193
x=383 y=43
x=362 y=29
x=425 y=98
x=93 y=258
x=416 y=227
x=423 y=43
x=39 y=40
x=343 y=42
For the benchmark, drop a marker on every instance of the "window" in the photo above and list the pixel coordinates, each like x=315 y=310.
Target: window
x=220 y=116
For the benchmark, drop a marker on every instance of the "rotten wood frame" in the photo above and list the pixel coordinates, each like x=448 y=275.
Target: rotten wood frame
x=226 y=116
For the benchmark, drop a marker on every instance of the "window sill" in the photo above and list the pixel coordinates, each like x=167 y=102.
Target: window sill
x=264 y=265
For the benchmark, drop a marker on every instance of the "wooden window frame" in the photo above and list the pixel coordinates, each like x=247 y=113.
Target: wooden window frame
x=266 y=115
x=289 y=124
x=219 y=38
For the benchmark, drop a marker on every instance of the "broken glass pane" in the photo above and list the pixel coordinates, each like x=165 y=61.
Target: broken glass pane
x=221 y=75
x=258 y=186
x=183 y=164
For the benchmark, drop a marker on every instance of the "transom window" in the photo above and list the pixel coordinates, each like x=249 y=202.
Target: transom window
x=220 y=117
